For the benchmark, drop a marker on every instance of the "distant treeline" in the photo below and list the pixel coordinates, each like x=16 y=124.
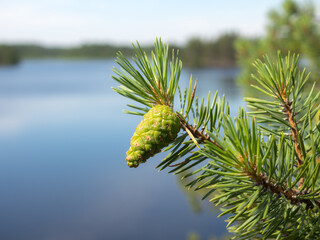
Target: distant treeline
x=211 y=53
x=8 y=55
x=83 y=51
x=196 y=53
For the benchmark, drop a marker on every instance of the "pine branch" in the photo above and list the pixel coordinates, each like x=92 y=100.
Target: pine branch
x=269 y=184
x=260 y=179
x=232 y=168
x=283 y=82
x=269 y=187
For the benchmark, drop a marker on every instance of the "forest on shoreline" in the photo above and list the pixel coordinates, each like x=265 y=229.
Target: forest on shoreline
x=195 y=53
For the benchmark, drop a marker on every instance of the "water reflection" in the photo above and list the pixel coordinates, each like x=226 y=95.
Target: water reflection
x=63 y=140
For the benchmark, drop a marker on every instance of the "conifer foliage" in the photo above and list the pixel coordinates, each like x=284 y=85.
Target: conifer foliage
x=262 y=167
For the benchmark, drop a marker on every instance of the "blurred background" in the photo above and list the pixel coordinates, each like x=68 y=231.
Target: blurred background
x=63 y=136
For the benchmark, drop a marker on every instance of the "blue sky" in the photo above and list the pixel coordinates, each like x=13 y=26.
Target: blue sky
x=72 y=22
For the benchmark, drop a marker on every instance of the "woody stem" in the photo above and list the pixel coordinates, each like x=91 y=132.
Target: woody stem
x=288 y=111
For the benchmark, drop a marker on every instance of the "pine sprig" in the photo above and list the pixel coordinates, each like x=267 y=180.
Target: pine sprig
x=254 y=174
x=261 y=168
x=148 y=81
x=285 y=83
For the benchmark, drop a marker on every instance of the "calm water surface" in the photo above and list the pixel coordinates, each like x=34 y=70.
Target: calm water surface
x=63 y=175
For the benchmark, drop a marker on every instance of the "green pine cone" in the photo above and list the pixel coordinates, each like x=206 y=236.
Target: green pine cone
x=158 y=128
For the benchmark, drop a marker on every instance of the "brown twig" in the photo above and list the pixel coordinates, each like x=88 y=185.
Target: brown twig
x=196 y=133
x=290 y=117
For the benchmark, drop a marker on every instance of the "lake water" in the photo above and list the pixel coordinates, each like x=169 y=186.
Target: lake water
x=63 y=139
